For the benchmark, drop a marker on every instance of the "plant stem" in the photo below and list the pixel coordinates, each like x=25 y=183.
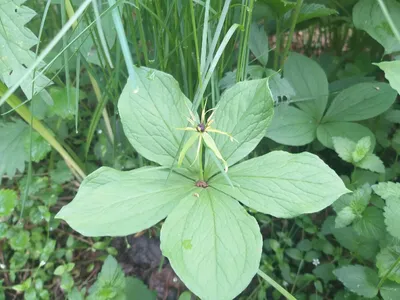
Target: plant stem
x=295 y=16
x=278 y=44
x=276 y=285
x=24 y=112
x=201 y=172
x=96 y=88
x=382 y=281
x=389 y=19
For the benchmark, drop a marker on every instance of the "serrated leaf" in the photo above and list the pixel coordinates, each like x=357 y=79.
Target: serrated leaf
x=344 y=147
x=385 y=260
x=244 y=111
x=359 y=279
x=20 y=240
x=352 y=131
x=12 y=152
x=204 y=238
x=39 y=148
x=116 y=203
x=390 y=290
x=135 y=289
x=392 y=73
x=309 y=81
x=371 y=223
x=61 y=173
x=390 y=191
x=258 y=43
x=344 y=217
x=360 y=102
x=349 y=239
x=8 y=200
x=368 y=16
x=282 y=184
x=17 y=42
x=371 y=162
x=363 y=146
x=152 y=115
x=291 y=126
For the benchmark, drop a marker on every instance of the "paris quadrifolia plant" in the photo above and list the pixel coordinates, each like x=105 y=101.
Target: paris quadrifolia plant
x=211 y=240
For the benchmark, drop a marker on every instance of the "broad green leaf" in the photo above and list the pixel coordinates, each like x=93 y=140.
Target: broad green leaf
x=392 y=73
x=371 y=223
x=291 y=126
x=344 y=148
x=359 y=279
x=152 y=114
x=368 y=16
x=244 y=111
x=352 y=131
x=371 y=162
x=282 y=184
x=361 y=101
x=258 y=43
x=324 y=271
x=116 y=203
x=16 y=43
x=344 y=217
x=385 y=260
x=12 y=152
x=390 y=290
x=39 y=149
x=307 y=12
x=309 y=81
x=8 y=200
x=390 y=191
x=213 y=245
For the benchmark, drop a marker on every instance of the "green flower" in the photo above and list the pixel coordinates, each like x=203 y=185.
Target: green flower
x=200 y=134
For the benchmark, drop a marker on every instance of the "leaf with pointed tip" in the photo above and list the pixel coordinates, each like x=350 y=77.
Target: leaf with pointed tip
x=344 y=147
x=151 y=115
x=282 y=184
x=360 y=102
x=213 y=244
x=258 y=43
x=12 y=152
x=309 y=81
x=292 y=126
x=16 y=42
x=244 y=111
x=371 y=162
x=116 y=203
x=390 y=191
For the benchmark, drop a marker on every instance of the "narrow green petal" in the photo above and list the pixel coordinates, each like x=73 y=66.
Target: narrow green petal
x=213 y=147
x=186 y=147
